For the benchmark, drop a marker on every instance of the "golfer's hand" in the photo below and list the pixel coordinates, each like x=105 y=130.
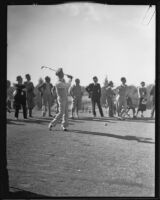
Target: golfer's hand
x=69 y=76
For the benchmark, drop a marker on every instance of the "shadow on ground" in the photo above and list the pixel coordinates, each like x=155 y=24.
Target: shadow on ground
x=92 y=119
x=12 y=122
x=31 y=121
x=114 y=119
x=126 y=137
x=19 y=193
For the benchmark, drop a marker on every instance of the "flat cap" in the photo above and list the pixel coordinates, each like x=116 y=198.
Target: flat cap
x=59 y=70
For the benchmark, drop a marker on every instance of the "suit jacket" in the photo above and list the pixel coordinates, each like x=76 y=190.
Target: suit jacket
x=20 y=94
x=94 y=91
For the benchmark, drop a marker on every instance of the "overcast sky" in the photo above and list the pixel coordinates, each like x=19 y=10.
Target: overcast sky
x=85 y=39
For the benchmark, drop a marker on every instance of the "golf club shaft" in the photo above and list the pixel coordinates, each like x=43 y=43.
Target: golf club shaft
x=53 y=70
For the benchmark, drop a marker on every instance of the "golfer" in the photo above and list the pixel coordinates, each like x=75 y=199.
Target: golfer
x=62 y=98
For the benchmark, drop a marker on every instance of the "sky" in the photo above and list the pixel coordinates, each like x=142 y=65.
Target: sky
x=85 y=39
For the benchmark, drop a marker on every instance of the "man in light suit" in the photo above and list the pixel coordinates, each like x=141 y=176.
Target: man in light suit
x=62 y=97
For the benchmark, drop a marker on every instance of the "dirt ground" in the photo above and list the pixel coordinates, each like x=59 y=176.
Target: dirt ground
x=96 y=157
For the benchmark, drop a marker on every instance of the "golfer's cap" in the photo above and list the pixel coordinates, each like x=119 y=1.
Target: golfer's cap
x=59 y=70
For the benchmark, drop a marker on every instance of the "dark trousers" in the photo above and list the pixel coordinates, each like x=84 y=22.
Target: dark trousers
x=111 y=106
x=18 y=107
x=94 y=102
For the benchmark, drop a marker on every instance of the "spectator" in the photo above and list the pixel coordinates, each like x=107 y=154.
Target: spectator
x=46 y=93
x=152 y=94
x=94 y=90
x=121 y=100
x=142 y=94
x=76 y=93
x=9 y=96
x=30 y=94
x=20 y=98
x=38 y=97
x=110 y=98
x=130 y=106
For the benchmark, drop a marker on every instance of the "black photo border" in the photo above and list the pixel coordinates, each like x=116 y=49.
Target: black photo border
x=4 y=179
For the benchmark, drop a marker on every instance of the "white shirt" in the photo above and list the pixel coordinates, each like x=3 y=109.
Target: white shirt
x=62 y=88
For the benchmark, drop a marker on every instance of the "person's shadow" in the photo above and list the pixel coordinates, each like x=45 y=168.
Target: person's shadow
x=19 y=193
x=125 y=137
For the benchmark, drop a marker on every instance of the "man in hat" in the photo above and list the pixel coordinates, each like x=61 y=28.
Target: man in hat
x=94 y=90
x=62 y=97
x=76 y=93
x=110 y=98
x=122 y=93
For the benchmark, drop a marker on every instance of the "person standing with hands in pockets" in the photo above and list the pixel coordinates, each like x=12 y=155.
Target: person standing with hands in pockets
x=46 y=94
x=62 y=97
x=94 y=90
x=76 y=94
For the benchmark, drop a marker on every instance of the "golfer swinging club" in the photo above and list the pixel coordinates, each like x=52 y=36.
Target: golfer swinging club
x=62 y=98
